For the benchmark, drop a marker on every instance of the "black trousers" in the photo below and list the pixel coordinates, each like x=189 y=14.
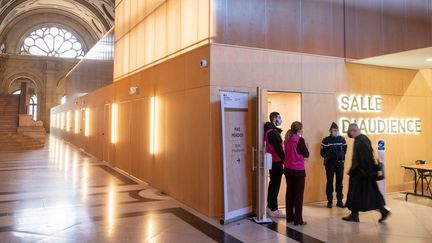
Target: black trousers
x=334 y=168
x=274 y=185
x=295 y=180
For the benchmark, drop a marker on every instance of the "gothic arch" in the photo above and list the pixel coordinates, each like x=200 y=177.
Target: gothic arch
x=24 y=75
x=17 y=31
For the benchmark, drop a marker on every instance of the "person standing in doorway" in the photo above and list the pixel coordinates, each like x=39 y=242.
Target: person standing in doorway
x=294 y=170
x=333 y=150
x=363 y=193
x=273 y=145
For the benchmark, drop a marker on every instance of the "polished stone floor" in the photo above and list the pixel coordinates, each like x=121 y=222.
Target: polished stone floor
x=60 y=194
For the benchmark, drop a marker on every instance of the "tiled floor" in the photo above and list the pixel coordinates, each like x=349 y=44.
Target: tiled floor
x=59 y=194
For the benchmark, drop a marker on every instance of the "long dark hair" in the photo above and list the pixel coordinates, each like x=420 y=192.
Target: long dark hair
x=295 y=128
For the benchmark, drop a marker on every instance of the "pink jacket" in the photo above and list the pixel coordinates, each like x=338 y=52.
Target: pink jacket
x=293 y=160
x=270 y=149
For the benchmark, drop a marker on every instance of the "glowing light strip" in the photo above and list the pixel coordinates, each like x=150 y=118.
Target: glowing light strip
x=113 y=123
x=57 y=122
x=76 y=121
x=152 y=125
x=68 y=121
x=62 y=122
x=87 y=122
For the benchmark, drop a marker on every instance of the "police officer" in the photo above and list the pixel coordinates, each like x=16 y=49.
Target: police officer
x=333 y=150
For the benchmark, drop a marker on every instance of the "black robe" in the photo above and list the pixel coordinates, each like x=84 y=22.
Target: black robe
x=363 y=193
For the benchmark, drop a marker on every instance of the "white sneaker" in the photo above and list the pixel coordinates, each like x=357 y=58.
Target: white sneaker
x=275 y=214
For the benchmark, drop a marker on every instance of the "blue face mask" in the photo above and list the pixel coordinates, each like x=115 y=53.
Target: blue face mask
x=278 y=122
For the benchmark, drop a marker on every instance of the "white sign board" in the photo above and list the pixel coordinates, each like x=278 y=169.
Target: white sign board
x=234 y=100
x=237 y=176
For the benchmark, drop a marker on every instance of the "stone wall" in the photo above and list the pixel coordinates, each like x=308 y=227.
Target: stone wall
x=44 y=72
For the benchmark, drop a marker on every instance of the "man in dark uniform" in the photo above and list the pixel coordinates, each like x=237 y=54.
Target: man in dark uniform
x=363 y=193
x=273 y=142
x=333 y=150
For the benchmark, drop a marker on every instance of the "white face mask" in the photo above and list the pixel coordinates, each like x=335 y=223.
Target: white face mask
x=278 y=122
x=335 y=134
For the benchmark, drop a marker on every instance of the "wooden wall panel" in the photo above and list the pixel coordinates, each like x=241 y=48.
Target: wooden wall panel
x=321 y=80
x=363 y=15
x=393 y=17
x=148 y=32
x=123 y=155
x=245 y=23
x=180 y=164
x=386 y=26
x=315 y=130
x=417 y=28
x=293 y=25
x=341 y=28
x=322 y=27
x=139 y=144
x=284 y=25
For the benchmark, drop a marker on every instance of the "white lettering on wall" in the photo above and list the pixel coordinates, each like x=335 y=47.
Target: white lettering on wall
x=383 y=126
x=360 y=103
x=373 y=103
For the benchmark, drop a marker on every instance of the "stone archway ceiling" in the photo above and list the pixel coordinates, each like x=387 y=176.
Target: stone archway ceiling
x=98 y=14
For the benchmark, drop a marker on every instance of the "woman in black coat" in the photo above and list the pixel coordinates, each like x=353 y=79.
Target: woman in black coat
x=363 y=193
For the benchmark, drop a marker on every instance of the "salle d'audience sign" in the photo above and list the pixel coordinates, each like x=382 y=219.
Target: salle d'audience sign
x=374 y=125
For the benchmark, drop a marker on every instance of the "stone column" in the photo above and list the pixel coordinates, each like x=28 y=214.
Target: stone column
x=50 y=99
x=3 y=86
x=23 y=99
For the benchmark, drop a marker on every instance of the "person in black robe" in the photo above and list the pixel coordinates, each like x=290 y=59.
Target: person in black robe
x=363 y=193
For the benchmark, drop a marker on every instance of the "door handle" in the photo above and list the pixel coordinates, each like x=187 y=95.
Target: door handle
x=253 y=159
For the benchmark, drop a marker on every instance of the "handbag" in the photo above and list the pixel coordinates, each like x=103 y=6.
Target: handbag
x=379 y=171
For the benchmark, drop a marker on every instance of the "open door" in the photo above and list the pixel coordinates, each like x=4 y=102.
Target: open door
x=260 y=166
x=288 y=105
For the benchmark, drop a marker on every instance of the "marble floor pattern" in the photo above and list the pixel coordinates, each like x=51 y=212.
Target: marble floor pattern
x=60 y=194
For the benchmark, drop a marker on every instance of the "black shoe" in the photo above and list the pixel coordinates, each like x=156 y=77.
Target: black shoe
x=340 y=204
x=351 y=218
x=302 y=223
x=384 y=216
x=329 y=204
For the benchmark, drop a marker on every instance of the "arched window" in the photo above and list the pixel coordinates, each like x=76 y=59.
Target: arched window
x=17 y=92
x=2 y=47
x=33 y=107
x=54 y=42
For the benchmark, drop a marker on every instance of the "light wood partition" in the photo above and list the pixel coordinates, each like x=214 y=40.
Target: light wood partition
x=150 y=31
x=162 y=131
x=320 y=79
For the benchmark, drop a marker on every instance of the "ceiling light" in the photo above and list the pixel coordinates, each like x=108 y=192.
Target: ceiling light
x=429 y=60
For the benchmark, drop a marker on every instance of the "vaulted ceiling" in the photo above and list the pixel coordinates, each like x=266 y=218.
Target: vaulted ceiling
x=98 y=15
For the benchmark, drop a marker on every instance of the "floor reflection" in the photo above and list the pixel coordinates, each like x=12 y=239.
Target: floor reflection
x=60 y=194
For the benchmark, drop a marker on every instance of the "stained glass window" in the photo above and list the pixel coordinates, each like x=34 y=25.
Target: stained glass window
x=54 y=42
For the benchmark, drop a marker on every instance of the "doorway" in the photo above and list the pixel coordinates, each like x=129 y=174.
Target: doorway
x=288 y=104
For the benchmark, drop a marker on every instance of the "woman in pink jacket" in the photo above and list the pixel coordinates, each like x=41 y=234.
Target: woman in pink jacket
x=294 y=170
